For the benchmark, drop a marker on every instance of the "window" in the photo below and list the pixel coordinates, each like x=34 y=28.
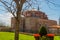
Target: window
x=33 y=14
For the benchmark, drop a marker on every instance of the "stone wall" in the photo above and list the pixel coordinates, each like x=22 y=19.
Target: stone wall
x=31 y=24
x=36 y=23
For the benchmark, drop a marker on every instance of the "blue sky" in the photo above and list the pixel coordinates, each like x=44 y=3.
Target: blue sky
x=53 y=12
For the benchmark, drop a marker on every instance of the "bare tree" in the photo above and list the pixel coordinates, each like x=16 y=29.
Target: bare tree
x=15 y=7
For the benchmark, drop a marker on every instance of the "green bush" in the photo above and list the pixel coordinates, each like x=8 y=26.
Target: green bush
x=43 y=31
x=43 y=38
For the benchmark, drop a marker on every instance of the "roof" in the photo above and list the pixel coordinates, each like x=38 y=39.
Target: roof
x=55 y=26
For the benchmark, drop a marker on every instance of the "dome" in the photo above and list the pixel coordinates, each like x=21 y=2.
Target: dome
x=35 y=13
x=33 y=9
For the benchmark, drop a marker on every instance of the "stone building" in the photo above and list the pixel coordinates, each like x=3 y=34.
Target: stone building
x=32 y=21
x=54 y=29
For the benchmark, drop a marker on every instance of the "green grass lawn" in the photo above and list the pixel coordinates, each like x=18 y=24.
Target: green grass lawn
x=10 y=36
x=57 y=38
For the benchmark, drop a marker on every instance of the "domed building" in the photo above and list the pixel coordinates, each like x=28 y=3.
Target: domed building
x=32 y=20
x=35 y=14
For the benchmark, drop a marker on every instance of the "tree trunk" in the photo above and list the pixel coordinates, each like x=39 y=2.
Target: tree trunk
x=17 y=31
x=18 y=13
x=17 y=26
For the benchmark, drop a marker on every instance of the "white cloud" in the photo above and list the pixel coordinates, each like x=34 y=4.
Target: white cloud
x=6 y=18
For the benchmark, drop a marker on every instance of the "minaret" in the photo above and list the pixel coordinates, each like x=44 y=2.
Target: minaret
x=59 y=21
x=38 y=8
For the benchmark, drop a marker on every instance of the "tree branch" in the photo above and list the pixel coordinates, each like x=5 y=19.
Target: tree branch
x=47 y=1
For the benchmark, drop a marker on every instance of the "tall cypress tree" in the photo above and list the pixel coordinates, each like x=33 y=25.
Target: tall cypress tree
x=43 y=31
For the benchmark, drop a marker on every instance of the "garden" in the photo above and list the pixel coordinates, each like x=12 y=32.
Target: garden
x=42 y=35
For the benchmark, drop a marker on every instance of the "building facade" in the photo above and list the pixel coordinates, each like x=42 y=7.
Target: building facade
x=32 y=21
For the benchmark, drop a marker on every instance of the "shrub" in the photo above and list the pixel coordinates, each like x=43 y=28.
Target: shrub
x=43 y=38
x=36 y=36
x=51 y=35
x=43 y=31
